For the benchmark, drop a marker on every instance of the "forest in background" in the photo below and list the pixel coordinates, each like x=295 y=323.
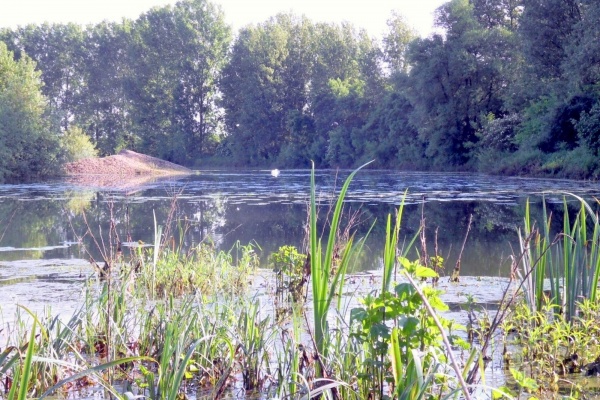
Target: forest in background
x=507 y=87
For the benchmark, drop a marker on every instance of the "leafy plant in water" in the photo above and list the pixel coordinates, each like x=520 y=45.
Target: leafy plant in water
x=291 y=277
x=389 y=327
x=552 y=348
x=202 y=269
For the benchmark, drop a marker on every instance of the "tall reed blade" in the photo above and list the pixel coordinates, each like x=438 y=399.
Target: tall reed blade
x=324 y=287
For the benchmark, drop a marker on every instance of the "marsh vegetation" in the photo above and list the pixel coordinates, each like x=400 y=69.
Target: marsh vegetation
x=166 y=321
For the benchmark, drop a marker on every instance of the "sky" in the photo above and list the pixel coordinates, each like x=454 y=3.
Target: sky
x=369 y=14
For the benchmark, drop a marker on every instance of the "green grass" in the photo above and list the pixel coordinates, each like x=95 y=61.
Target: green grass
x=203 y=269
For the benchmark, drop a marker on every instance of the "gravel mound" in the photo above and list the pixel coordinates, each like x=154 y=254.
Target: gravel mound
x=127 y=170
x=125 y=164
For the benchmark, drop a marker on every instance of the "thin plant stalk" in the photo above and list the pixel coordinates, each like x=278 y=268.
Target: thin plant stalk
x=390 y=248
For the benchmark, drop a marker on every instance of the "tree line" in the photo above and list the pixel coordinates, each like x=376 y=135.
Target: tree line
x=506 y=86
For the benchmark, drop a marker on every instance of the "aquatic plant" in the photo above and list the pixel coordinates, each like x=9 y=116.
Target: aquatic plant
x=253 y=344
x=193 y=333
x=292 y=358
x=570 y=262
x=390 y=327
x=202 y=269
x=291 y=271
x=326 y=283
x=552 y=349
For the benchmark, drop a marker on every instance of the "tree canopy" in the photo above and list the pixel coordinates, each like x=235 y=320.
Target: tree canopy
x=503 y=86
x=27 y=149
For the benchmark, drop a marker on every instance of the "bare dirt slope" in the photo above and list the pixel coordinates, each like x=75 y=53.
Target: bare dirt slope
x=126 y=168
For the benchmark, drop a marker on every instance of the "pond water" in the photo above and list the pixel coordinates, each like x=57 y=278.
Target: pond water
x=43 y=225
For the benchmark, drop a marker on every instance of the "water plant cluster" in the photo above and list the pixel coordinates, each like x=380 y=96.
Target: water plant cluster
x=163 y=322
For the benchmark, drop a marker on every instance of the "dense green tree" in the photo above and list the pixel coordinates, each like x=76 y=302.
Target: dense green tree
x=255 y=84
x=546 y=30
x=58 y=52
x=457 y=80
x=396 y=41
x=148 y=85
x=582 y=62
x=390 y=138
x=177 y=54
x=105 y=107
x=504 y=86
x=558 y=87
x=27 y=148
x=295 y=91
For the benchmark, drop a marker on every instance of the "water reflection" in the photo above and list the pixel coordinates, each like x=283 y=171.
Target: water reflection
x=51 y=220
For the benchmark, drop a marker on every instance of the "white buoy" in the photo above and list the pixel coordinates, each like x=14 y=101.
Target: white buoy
x=275 y=172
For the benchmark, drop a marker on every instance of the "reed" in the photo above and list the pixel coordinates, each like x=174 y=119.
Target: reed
x=254 y=342
x=326 y=282
x=289 y=359
x=569 y=264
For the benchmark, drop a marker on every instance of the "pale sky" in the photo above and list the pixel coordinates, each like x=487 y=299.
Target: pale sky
x=369 y=14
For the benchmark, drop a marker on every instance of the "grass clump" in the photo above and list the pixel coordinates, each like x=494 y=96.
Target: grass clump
x=203 y=269
x=568 y=265
x=552 y=351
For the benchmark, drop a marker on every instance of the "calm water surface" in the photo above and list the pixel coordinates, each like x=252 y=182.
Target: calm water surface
x=42 y=226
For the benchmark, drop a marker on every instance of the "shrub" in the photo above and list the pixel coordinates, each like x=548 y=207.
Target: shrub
x=77 y=145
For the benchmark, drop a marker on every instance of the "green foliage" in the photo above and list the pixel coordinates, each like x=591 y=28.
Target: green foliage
x=562 y=133
x=77 y=145
x=326 y=283
x=147 y=85
x=552 y=348
x=183 y=49
x=396 y=323
x=203 y=269
x=451 y=82
x=28 y=149
x=295 y=91
x=571 y=262
x=254 y=338
x=510 y=87
x=588 y=128
x=396 y=41
x=546 y=28
x=289 y=266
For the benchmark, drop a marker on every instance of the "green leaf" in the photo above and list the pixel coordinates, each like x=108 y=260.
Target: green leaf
x=438 y=304
x=380 y=331
x=501 y=392
x=408 y=325
x=358 y=314
x=404 y=290
x=425 y=272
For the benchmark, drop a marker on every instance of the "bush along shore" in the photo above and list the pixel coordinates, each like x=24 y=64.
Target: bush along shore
x=164 y=322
